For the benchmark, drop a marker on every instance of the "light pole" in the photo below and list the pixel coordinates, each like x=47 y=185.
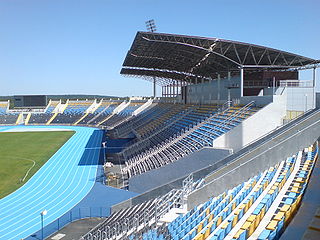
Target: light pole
x=151 y=27
x=104 y=151
x=43 y=213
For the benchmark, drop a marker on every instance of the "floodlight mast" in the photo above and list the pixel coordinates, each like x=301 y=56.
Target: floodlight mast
x=151 y=27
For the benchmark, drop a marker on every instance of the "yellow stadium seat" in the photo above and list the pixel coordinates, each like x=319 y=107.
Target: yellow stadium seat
x=219 y=220
x=207 y=232
x=279 y=216
x=237 y=235
x=295 y=190
x=207 y=211
x=272 y=225
x=235 y=220
x=199 y=227
x=249 y=227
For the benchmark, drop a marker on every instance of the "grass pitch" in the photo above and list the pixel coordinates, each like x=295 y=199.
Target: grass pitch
x=20 y=151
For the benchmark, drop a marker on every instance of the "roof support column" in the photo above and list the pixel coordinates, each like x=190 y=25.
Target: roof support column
x=154 y=87
x=229 y=83
x=314 y=86
x=314 y=77
x=176 y=87
x=219 y=78
x=241 y=81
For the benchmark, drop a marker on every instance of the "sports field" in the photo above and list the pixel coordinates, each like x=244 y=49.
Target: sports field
x=23 y=153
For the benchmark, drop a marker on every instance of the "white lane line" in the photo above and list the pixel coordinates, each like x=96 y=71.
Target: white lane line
x=87 y=178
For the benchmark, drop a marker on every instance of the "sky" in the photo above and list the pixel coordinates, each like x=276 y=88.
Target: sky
x=78 y=46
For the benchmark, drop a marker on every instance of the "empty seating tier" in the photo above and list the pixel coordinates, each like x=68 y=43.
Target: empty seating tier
x=169 y=146
x=73 y=112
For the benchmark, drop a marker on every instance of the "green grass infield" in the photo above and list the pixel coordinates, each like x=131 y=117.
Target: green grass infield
x=23 y=153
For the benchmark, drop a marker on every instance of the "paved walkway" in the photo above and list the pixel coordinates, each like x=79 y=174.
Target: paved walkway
x=76 y=229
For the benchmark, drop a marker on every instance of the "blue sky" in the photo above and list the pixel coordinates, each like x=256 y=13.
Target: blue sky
x=77 y=46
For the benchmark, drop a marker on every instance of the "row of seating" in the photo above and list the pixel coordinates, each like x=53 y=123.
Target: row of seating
x=3 y=107
x=104 y=109
x=171 y=148
x=121 y=223
x=104 y=114
x=52 y=106
x=168 y=112
x=287 y=204
x=40 y=118
x=74 y=111
x=77 y=107
x=259 y=209
x=125 y=129
x=175 y=126
x=9 y=118
x=123 y=115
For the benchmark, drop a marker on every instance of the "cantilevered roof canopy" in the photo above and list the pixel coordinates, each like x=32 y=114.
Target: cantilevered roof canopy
x=187 y=58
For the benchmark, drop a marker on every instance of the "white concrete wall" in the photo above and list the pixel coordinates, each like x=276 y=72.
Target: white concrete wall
x=260 y=123
x=298 y=98
x=143 y=107
x=119 y=108
x=212 y=92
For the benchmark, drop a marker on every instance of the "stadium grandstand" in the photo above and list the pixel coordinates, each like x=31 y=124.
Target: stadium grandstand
x=229 y=150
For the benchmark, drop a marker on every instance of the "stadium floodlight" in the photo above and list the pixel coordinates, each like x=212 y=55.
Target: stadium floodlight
x=43 y=213
x=151 y=26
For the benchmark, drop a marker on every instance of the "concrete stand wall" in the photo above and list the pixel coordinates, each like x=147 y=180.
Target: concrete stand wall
x=273 y=149
x=259 y=124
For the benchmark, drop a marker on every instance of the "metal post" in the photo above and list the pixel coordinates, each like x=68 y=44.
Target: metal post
x=176 y=82
x=273 y=85
x=241 y=81
x=154 y=87
x=229 y=97
x=41 y=226
x=218 y=97
x=42 y=214
x=314 y=87
x=172 y=90
x=104 y=152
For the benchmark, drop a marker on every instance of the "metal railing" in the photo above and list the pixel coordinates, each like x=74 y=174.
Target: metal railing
x=296 y=83
x=176 y=138
x=146 y=218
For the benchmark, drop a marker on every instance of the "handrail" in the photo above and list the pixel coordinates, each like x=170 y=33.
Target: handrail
x=157 y=149
x=161 y=206
x=285 y=127
x=157 y=132
x=237 y=113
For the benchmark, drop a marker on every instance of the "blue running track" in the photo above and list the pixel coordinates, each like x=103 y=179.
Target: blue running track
x=58 y=186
